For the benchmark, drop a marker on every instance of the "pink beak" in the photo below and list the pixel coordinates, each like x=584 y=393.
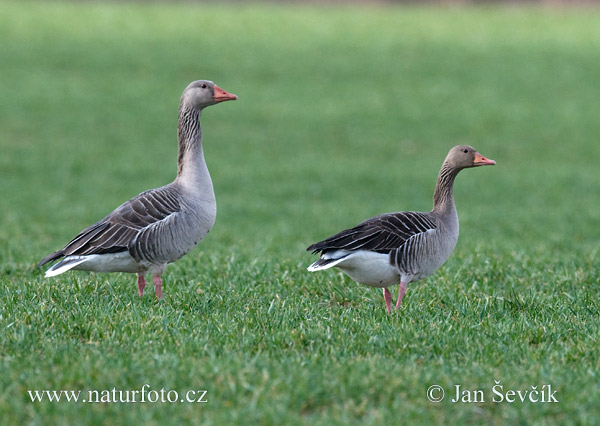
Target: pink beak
x=222 y=95
x=480 y=160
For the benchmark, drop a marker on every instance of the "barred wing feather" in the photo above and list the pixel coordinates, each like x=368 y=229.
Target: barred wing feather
x=383 y=233
x=116 y=231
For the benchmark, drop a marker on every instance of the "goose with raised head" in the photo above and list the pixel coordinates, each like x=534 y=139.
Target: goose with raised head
x=161 y=225
x=399 y=248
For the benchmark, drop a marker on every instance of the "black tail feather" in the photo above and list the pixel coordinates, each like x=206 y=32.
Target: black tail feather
x=51 y=257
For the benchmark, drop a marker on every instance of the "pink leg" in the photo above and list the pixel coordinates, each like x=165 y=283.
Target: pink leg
x=141 y=282
x=401 y=291
x=387 y=296
x=157 y=280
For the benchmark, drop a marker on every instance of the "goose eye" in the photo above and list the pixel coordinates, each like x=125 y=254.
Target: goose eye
x=204 y=86
x=465 y=150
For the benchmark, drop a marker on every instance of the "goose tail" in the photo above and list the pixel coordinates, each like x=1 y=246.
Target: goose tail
x=64 y=265
x=327 y=261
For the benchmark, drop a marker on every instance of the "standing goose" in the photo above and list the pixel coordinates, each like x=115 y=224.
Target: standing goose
x=401 y=247
x=160 y=225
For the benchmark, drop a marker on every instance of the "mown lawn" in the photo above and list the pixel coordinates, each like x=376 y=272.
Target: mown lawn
x=344 y=112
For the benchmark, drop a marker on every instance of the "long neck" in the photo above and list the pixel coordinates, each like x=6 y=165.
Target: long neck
x=443 y=198
x=191 y=166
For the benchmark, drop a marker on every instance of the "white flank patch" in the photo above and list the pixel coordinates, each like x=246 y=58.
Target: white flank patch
x=110 y=262
x=363 y=266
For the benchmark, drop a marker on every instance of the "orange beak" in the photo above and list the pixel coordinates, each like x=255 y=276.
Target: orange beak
x=480 y=160
x=222 y=95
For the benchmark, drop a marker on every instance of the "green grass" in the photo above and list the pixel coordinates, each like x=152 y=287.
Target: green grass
x=344 y=112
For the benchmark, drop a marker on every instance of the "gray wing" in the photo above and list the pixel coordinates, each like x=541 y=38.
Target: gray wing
x=116 y=231
x=383 y=234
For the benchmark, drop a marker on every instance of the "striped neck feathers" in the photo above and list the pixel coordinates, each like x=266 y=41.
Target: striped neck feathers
x=443 y=198
x=189 y=136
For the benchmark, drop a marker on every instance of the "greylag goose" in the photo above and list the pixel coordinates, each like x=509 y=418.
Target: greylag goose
x=401 y=247
x=158 y=226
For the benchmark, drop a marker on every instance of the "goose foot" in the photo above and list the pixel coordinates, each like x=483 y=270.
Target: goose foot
x=401 y=291
x=387 y=296
x=141 y=282
x=157 y=286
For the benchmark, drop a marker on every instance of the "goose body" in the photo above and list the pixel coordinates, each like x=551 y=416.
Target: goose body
x=158 y=226
x=398 y=248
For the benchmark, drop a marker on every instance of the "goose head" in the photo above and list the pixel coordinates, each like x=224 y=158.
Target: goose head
x=202 y=93
x=464 y=156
